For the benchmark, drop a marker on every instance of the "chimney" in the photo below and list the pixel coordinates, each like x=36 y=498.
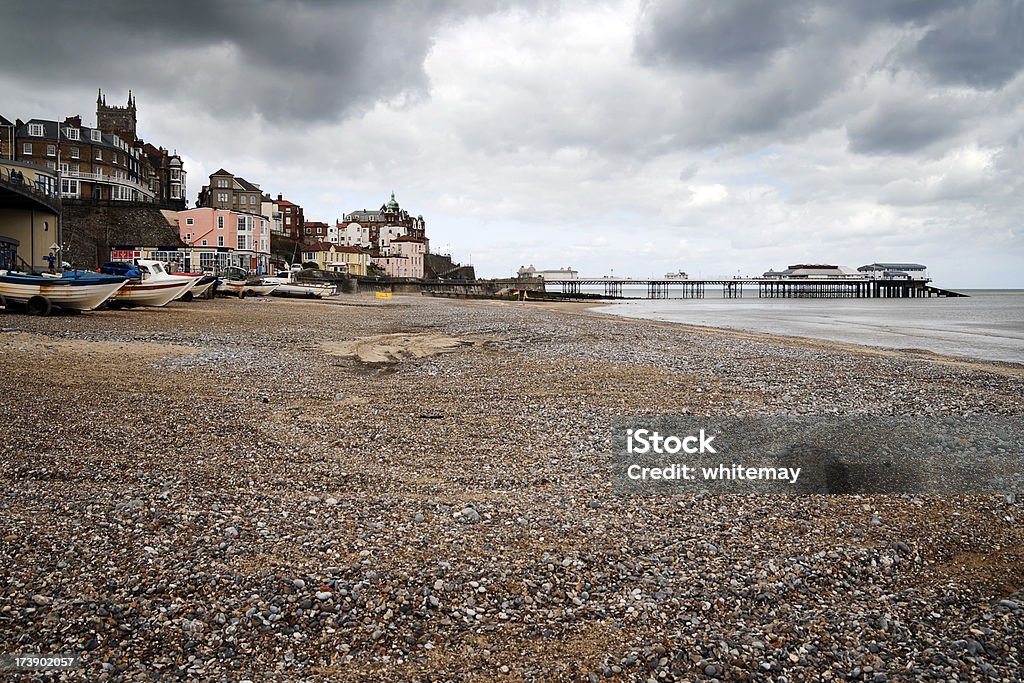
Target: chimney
x=279 y=197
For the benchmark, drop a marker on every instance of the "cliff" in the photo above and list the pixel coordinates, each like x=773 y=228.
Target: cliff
x=90 y=229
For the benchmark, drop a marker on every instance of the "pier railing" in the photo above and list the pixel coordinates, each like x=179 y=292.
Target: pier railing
x=767 y=288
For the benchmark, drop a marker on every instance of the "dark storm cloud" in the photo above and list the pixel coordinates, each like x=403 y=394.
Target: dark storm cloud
x=719 y=35
x=783 y=61
x=903 y=127
x=288 y=61
x=980 y=45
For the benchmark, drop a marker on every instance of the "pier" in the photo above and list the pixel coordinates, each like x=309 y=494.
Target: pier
x=767 y=288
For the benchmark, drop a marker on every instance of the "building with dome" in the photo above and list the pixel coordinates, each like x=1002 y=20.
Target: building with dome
x=375 y=229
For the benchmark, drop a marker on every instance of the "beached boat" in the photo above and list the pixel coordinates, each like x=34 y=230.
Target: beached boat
x=76 y=291
x=203 y=288
x=238 y=282
x=287 y=286
x=149 y=285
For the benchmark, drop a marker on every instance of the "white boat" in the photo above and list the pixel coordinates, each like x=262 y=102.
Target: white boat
x=287 y=286
x=77 y=291
x=238 y=282
x=150 y=284
x=202 y=288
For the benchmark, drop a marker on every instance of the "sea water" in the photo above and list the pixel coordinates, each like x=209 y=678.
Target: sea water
x=986 y=325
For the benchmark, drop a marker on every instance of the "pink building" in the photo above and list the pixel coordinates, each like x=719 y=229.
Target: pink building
x=403 y=257
x=225 y=237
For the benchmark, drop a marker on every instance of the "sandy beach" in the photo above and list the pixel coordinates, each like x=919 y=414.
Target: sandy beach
x=418 y=489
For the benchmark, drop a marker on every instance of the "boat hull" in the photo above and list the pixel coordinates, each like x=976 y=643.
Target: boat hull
x=310 y=291
x=152 y=294
x=202 y=288
x=75 y=297
x=239 y=288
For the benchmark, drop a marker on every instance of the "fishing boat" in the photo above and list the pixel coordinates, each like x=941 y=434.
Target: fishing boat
x=149 y=285
x=238 y=282
x=76 y=291
x=203 y=289
x=289 y=287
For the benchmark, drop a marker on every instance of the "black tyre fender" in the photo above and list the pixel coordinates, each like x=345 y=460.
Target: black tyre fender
x=39 y=305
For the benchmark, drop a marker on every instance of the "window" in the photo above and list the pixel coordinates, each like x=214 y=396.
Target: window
x=222 y=196
x=51 y=150
x=241 y=241
x=99 y=155
x=51 y=164
x=288 y=220
x=97 y=136
x=203 y=243
x=75 y=167
x=74 y=153
x=252 y=199
x=188 y=237
x=220 y=222
x=72 y=134
x=68 y=187
x=309 y=231
x=222 y=182
x=241 y=223
x=220 y=240
x=27 y=149
x=190 y=221
x=113 y=156
x=35 y=130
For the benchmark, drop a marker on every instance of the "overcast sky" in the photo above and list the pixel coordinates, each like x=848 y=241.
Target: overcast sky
x=628 y=137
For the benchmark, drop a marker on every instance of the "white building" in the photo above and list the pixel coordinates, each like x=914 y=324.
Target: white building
x=566 y=273
x=894 y=271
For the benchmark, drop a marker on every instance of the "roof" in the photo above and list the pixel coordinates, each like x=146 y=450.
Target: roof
x=246 y=185
x=221 y=171
x=4 y=121
x=405 y=238
x=893 y=266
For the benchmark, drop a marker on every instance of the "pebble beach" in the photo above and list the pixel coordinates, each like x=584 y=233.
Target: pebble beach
x=418 y=489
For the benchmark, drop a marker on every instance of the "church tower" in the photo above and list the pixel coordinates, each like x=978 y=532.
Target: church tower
x=118 y=120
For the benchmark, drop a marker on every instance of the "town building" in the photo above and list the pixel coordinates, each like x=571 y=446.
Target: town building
x=293 y=218
x=337 y=258
x=220 y=237
x=315 y=231
x=228 y=191
x=105 y=163
x=365 y=228
x=404 y=258
x=30 y=208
